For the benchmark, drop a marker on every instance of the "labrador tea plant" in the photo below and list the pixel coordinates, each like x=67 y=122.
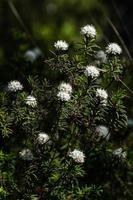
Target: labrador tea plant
x=61 y=137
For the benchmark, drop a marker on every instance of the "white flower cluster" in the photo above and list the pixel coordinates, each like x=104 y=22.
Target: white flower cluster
x=65 y=90
x=61 y=45
x=65 y=87
x=33 y=54
x=26 y=154
x=31 y=101
x=113 y=48
x=88 y=31
x=63 y=96
x=120 y=153
x=42 y=138
x=14 y=86
x=101 y=56
x=78 y=156
x=92 y=71
x=102 y=94
x=103 y=131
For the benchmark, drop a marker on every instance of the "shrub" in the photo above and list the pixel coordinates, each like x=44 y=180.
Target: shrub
x=62 y=136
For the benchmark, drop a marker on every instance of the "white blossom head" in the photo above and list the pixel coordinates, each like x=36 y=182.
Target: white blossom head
x=30 y=56
x=14 y=86
x=63 y=96
x=88 y=31
x=102 y=95
x=61 y=45
x=42 y=138
x=33 y=54
x=92 y=71
x=120 y=153
x=78 y=156
x=65 y=87
x=103 y=131
x=101 y=56
x=26 y=154
x=65 y=90
x=113 y=48
x=31 y=101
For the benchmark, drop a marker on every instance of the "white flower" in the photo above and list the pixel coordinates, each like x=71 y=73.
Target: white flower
x=26 y=154
x=91 y=71
x=120 y=153
x=102 y=94
x=30 y=56
x=113 y=48
x=65 y=87
x=14 y=86
x=78 y=156
x=101 y=56
x=33 y=54
x=31 y=101
x=61 y=45
x=88 y=31
x=42 y=138
x=65 y=90
x=63 y=96
x=103 y=131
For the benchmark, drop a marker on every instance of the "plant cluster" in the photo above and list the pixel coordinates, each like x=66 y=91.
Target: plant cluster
x=61 y=138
